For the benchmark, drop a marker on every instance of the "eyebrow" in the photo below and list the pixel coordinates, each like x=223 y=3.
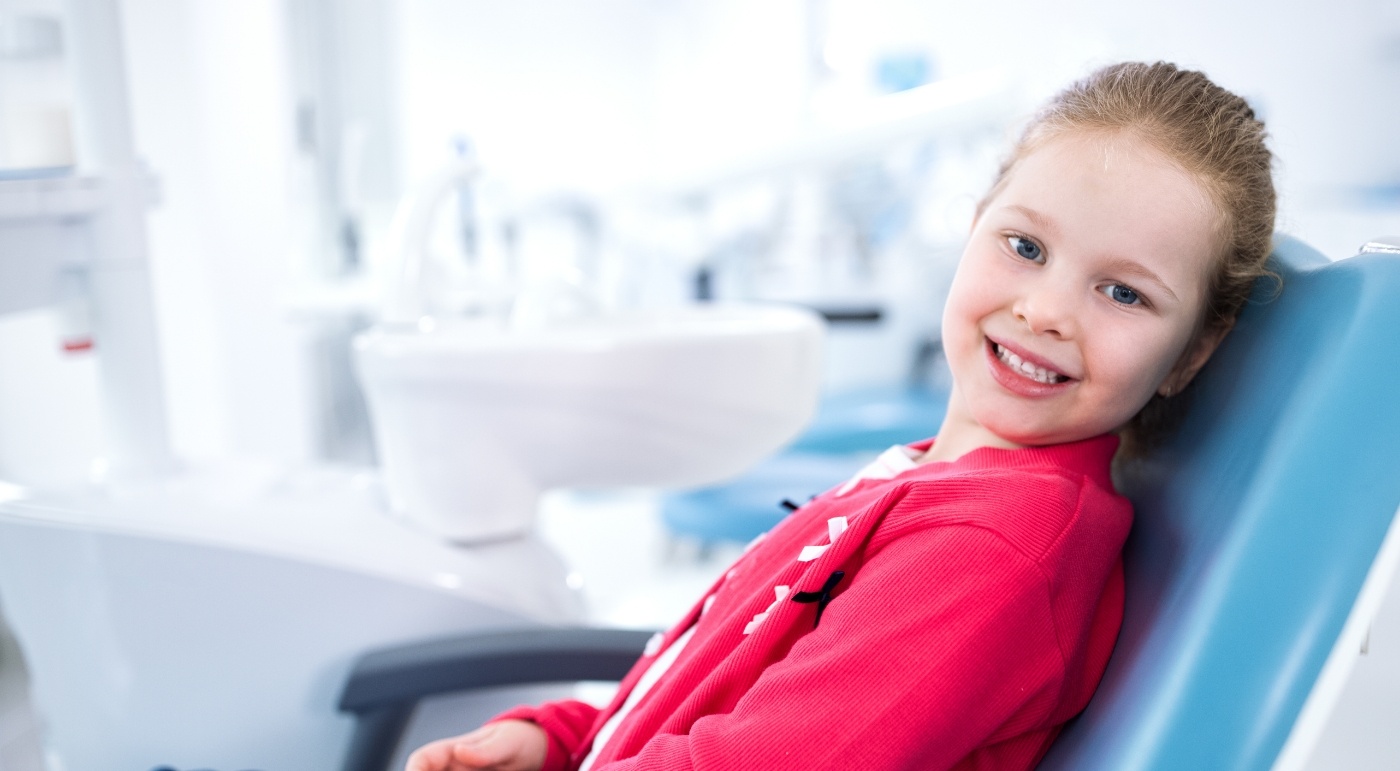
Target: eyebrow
x=1036 y=217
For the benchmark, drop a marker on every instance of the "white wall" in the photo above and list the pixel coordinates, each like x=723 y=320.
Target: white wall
x=552 y=94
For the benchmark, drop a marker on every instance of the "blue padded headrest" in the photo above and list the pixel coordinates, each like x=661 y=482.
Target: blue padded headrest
x=1255 y=526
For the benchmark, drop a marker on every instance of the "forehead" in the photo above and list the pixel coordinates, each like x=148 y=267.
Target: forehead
x=1115 y=195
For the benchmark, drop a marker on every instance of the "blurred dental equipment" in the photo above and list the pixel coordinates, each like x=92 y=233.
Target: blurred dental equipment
x=198 y=617
x=205 y=615
x=859 y=216
x=36 y=136
x=945 y=109
x=476 y=415
x=49 y=222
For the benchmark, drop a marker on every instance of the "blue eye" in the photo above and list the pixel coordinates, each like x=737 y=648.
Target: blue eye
x=1026 y=248
x=1122 y=294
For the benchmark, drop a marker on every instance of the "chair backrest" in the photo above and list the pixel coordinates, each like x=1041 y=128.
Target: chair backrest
x=1256 y=527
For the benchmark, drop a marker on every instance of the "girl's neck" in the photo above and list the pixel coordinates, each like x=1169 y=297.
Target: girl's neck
x=960 y=434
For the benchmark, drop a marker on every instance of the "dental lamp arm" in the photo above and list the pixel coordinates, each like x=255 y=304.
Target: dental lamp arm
x=384 y=685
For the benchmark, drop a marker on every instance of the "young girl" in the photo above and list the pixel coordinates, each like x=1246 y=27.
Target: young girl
x=954 y=604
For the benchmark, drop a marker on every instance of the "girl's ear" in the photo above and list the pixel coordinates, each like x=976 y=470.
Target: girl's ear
x=1195 y=357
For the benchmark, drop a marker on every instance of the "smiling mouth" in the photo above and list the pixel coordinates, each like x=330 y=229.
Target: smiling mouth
x=1023 y=367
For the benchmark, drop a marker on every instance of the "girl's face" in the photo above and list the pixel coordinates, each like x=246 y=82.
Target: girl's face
x=1079 y=294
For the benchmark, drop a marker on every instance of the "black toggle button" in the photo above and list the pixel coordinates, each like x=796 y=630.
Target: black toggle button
x=821 y=597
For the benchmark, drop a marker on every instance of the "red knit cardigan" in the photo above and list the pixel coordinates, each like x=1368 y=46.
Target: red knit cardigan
x=978 y=604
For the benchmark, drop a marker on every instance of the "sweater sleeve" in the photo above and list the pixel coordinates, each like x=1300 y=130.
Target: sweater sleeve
x=943 y=642
x=565 y=722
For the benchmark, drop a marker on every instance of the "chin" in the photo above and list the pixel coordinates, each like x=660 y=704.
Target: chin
x=1016 y=433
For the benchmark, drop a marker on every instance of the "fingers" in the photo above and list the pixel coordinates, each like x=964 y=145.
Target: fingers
x=496 y=746
x=508 y=745
x=480 y=750
x=432 y=757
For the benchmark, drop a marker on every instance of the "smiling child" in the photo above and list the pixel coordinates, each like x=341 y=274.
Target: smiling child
x=957 y=601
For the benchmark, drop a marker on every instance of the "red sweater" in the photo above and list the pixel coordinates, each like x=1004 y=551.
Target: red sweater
x=978 y=605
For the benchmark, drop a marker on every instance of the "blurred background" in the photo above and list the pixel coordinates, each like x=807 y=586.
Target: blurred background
x=665 y=148
x=824 y=152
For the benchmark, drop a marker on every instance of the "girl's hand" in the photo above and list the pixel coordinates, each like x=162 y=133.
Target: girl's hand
x=507 y=745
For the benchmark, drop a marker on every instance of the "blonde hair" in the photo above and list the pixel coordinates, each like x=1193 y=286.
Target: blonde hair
x=1211 y=133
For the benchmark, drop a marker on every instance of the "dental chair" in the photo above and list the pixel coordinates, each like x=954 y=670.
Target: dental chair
x=1262 y=543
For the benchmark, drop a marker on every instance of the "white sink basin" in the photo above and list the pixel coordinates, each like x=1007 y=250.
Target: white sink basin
x=474 y=421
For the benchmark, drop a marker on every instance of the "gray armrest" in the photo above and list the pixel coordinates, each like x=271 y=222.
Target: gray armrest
x=384 y=685
x=546 y=655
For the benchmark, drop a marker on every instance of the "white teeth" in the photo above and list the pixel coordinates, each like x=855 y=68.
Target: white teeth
x=1038 y=374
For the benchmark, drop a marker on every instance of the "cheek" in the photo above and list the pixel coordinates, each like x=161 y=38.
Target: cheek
x=953 y=311
x=960 y=327
x=967 y=297
x=1145 y=364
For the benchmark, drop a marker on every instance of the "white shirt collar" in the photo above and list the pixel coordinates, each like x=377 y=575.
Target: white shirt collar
x=890 y=463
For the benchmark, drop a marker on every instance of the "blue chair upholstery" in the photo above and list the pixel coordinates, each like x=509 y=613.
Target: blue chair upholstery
x=1255 y=527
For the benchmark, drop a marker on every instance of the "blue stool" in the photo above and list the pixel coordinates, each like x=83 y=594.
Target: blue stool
x=848 y=430
x=869 y=420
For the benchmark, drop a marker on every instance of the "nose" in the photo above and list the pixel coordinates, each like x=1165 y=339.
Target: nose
x=1047 y=307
